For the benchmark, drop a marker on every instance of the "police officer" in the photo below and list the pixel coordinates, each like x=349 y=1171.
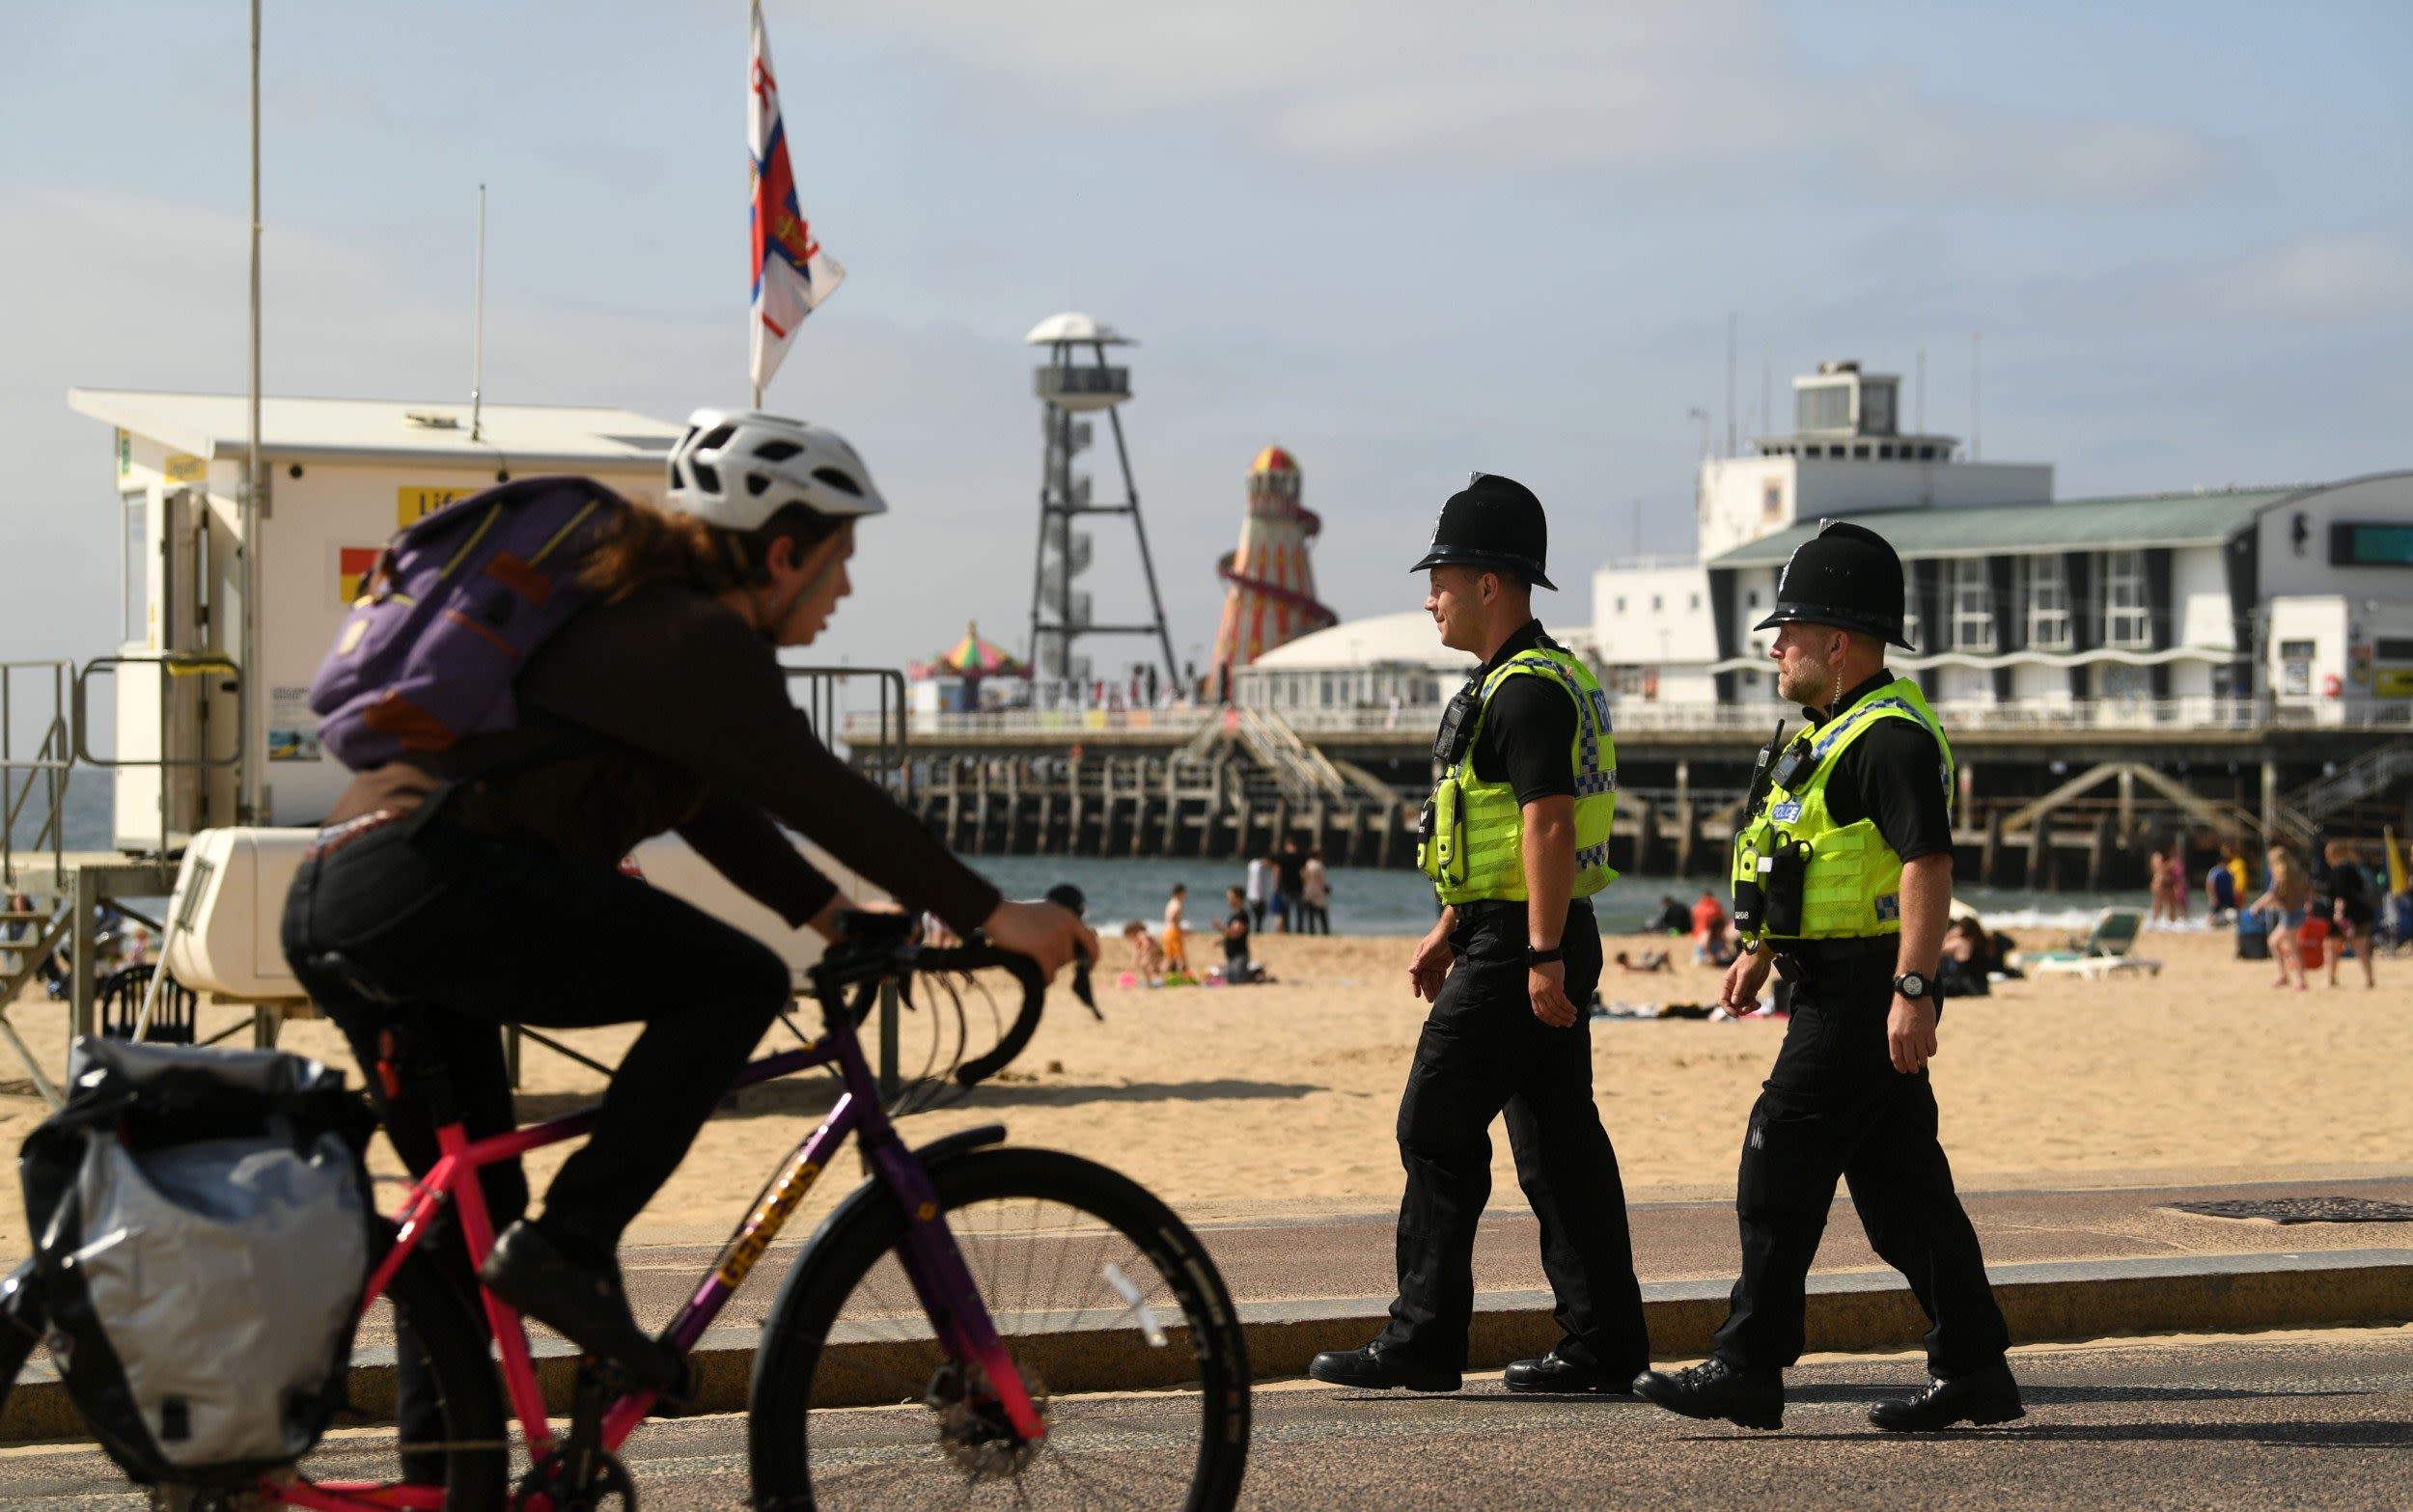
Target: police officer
x=1842 y=878
x=1515 y=842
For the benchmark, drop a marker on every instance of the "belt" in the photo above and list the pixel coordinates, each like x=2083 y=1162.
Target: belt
x=335 y=836
x=1808 y=957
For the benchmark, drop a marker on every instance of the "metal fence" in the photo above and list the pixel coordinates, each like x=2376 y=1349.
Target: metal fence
x=1630 y=716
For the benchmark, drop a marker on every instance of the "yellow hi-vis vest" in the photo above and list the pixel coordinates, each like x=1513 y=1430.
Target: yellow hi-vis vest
x=1816 y=879
x=1477 y=846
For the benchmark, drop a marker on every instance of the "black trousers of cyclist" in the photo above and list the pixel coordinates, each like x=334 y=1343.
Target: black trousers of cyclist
x=1482 y=1054
x=477 y=932
x=1835 y=1108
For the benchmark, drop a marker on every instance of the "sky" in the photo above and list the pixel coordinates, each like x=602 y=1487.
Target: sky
x=1402 y=239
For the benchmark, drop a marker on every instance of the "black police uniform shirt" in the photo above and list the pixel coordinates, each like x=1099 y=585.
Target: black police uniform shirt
x=1892 y=774
x=1528 y=733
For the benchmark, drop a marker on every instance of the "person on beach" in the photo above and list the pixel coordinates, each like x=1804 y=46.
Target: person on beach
x=1844 y=878
x=1177 y=945
x=1316 y=894
x=1708 y=925
x=1674 y=918
x=1289 y=887
x=2283 y=903
x=2351 y=912
x=2220 y=887
x=1239 y=971
x=1147 y=957
x=1515 y=840
x=660 y=705
x=1260 y=887
x=2163 y=905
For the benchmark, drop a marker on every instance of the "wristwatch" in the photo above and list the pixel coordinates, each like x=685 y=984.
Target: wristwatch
x=1540 y=958
x=1914 y=985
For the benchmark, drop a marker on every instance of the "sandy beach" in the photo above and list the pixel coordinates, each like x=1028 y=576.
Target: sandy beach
x=1280 y=1099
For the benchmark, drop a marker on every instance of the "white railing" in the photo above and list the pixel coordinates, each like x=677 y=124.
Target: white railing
x=1415 y=722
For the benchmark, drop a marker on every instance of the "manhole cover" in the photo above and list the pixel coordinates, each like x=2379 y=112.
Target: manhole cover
x=2304 y=1210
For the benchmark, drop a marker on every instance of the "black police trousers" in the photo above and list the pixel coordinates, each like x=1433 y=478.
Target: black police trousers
x=1483 y=1053
x=1835 y=1107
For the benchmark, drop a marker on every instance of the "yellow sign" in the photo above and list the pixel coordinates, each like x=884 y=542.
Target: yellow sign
x=413 y=505
x=2395 y=682
x=182 y=467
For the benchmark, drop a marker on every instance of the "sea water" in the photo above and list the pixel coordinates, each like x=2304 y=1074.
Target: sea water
x=1366 y=901
x=1363 y=900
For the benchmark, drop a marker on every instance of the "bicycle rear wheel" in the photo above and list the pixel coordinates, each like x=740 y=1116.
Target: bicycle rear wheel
x=1096 y=1287
x=462 y=1442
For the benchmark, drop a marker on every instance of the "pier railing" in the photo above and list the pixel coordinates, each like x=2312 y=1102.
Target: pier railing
x=2186 y=714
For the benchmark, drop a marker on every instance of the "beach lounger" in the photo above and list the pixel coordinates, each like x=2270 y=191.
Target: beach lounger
x=2109 y=946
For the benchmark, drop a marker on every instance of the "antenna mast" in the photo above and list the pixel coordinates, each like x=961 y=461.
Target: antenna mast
x=1975 y=352
x=1730 y=383
x=477 y=328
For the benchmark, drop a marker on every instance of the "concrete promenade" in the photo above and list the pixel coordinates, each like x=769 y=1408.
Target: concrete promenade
x=2069 y=1264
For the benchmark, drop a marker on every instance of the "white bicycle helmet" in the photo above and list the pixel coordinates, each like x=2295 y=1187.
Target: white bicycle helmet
x=737 y=468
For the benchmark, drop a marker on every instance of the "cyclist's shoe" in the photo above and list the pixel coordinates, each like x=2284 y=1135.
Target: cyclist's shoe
x=1378 y=1367
x=581 y=1302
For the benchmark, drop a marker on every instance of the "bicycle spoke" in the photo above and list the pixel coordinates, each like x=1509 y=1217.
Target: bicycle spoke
x=1070 y=1294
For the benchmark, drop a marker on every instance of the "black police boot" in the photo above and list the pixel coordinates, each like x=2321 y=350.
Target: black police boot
x=582 y=1302
x=1378 y=1367
x=1987 y=1396
x=1555 y=1372
x=1718 y=1389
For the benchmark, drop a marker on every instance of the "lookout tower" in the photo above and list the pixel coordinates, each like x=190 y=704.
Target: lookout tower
x=1269 y=592
x=1076 y=381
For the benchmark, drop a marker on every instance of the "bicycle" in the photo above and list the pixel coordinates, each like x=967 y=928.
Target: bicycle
x=903 y=1353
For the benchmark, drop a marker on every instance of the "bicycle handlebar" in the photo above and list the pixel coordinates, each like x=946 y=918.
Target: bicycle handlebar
x=873 y=947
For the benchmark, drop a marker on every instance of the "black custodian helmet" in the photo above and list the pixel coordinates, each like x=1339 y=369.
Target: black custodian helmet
x=1847 y=576
x=1493 y=522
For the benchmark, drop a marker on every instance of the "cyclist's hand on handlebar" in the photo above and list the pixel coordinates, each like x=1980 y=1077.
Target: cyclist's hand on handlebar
x=1045 y=932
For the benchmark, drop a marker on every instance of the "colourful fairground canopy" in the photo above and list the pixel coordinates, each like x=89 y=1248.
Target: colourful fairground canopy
x=971 y=657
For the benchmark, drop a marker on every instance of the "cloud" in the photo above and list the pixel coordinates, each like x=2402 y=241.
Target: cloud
x=2354 y=277
x=2351 y=278
x=1632 y=88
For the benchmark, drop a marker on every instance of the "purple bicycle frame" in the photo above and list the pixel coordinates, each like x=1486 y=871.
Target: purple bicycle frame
x=929 y=1254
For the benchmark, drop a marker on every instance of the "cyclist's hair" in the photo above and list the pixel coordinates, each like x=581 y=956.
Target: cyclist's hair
x=651 y=544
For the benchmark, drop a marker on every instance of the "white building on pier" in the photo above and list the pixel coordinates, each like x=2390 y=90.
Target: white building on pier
x=2209 y=606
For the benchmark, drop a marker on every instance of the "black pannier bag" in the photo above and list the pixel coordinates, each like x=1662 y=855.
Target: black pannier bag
x=202 y=1237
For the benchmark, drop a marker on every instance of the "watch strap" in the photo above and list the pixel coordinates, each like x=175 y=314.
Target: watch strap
x=1539 y=957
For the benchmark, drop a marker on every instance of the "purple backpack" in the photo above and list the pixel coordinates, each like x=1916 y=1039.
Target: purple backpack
x=449 y=615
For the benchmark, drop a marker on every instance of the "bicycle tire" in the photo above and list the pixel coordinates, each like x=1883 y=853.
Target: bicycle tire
x=789 y=1372
x=477 y=1459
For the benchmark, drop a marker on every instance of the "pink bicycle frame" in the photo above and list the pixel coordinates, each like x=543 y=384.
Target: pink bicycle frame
x=932 y=1262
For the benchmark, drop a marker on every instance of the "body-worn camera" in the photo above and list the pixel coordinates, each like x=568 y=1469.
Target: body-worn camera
x=1458 y=727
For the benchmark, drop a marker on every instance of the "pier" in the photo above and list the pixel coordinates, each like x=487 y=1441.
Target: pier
x=2053 y=798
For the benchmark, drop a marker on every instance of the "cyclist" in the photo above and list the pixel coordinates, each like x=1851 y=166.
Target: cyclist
x=482 y=900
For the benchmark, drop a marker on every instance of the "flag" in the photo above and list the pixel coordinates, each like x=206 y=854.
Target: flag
x=791 y=274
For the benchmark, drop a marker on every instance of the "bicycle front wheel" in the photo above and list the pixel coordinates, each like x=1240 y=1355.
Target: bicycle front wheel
x=1110 y=1306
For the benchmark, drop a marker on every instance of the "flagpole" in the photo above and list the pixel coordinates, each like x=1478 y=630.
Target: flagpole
x=247 y=803
x=754 y=25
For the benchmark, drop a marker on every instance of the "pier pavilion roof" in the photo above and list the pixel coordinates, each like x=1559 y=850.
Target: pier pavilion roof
x=2162 y=519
